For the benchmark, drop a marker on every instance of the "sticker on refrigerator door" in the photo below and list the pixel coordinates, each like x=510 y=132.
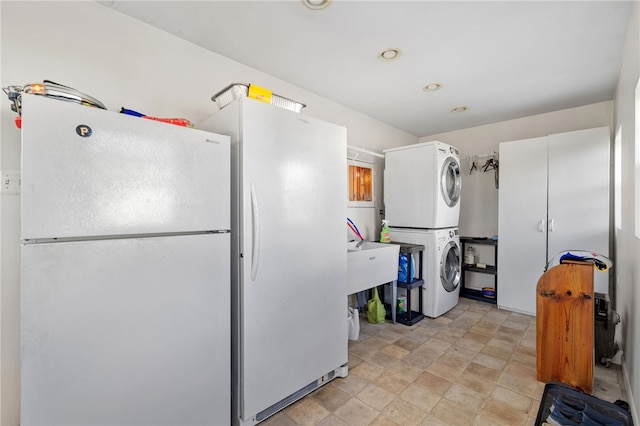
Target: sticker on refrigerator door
x=84 y=131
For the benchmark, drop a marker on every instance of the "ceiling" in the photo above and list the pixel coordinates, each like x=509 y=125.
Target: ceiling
x=501 y=59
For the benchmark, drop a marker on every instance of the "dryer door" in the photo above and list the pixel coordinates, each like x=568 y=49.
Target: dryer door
x=450 y=266
x=450 y=181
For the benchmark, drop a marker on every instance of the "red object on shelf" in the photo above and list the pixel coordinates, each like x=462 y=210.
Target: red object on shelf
x=19 y=122
x=177 y=121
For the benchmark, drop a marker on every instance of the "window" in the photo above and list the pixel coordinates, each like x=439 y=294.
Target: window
x=637 y=157
x=360 y=184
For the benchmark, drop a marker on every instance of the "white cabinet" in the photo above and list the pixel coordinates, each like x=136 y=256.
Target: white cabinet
x=554 y=196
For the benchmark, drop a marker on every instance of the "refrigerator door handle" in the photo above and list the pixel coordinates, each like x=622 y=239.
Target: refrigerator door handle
x=255 y=228
x=550 y=225
x=541 y=225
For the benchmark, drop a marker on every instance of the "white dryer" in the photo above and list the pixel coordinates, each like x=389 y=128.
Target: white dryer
x=441 y=269
x=422 y=186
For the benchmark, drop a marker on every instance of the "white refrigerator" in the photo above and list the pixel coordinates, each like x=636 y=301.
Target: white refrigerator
x=125 y=270
x=289 y=261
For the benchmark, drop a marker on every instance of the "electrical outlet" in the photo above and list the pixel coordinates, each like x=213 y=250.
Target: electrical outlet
x=11 y=183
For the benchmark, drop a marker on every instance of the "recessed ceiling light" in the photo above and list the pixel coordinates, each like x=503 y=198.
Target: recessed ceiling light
x=460 y=109
x=432 y=87
x=389 y=54
x=316 y=4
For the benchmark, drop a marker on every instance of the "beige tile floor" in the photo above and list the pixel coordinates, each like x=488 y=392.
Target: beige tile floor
x=474 y=365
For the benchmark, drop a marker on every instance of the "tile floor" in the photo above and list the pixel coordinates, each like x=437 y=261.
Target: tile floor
x=474 y=365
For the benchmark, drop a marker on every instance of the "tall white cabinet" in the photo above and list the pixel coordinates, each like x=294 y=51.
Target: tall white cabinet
x=554 y=196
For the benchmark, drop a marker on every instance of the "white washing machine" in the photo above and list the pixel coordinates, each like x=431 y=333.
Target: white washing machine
x=441 y=269
x=422 y=186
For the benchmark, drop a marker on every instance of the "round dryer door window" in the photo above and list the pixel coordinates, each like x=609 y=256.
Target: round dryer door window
x=450 y=181
x=450 y=267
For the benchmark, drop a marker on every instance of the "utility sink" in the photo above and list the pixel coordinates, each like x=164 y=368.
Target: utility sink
x=371 y=264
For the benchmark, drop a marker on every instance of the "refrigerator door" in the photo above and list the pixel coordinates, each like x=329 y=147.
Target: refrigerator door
x=294 y=260
x=126 y=332
x=87 y=172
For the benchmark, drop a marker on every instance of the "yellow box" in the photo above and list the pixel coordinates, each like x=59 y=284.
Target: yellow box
x=259 y=93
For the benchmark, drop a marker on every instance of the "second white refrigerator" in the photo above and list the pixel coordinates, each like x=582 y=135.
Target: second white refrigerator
x=289 y=261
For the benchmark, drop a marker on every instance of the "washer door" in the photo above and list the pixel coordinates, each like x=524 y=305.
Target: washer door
x=450 y=181
x=450 y=267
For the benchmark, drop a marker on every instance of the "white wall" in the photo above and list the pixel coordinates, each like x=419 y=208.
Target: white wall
x=122 y=63
x=627 y=268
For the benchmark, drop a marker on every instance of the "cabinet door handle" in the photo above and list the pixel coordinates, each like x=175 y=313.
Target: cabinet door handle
x=541 y=225
x=255 y=231
x=550 y=225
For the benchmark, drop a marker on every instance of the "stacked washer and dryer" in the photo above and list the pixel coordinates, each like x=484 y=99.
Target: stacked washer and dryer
x=422 y=204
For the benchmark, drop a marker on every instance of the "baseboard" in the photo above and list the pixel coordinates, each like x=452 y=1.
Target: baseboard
x=627 y=387
x=517 y=311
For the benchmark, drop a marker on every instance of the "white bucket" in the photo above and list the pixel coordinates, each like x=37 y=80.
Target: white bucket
x=354 y=323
